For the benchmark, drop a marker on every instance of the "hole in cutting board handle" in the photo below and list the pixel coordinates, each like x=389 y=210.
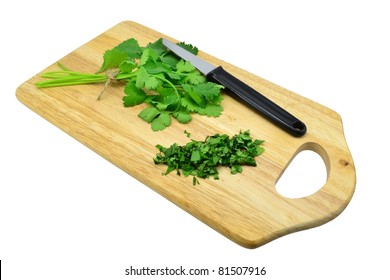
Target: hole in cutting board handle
x=305 y=175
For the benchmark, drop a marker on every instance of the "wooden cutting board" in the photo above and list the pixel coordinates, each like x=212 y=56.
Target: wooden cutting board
x=245 y=207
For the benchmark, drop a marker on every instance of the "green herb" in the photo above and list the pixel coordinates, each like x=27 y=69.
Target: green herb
x=154 y=75
x=202 y=158
x=187 y=133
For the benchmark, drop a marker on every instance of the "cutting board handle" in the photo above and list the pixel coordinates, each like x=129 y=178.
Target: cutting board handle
x=325 y=204
x=330 y=200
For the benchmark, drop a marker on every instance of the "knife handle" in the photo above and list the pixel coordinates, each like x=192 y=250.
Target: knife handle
x=260 y=103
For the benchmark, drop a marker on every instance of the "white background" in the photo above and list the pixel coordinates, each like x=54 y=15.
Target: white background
x=66 y=213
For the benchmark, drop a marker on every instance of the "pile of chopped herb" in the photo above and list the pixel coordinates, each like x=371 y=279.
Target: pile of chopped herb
x=154 y=75
x=202 y=158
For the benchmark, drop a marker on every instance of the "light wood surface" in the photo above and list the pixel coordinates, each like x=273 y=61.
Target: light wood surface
x=245 y=207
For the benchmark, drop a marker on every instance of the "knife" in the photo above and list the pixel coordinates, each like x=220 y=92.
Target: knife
x=242 y=91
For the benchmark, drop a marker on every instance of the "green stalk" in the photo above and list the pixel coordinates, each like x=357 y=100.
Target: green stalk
x=68 y=78
x=169 y=83
x=74 y=80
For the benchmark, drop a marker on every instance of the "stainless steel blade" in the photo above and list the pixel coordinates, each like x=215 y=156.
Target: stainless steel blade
x=203 y=66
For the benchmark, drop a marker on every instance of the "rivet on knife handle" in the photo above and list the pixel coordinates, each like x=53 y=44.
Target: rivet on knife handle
x=239 y=89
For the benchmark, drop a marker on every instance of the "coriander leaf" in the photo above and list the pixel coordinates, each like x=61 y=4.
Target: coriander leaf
x=217 y=100
x=146 y=55
x=209 y=90
x=155 y=67
x=194 y=95
x=211 y=110
x=182 y=116
x=169 y=102
x=184 y=67
x=195 y=155
x=259 y=150
x=170 y=59
x=148 y=114
x=165 y=91
x=112 y=59
x=195 y=181
x=174 y=76
x=144 y=79
x=142 y=76
x=161 y=122
x=151 y=83
x=130 y=47
x=236 y=169
x=127 y=66
x=196 y=77
x=198 y=99
x=192 y=49
x=258 y=142
x=133 y=95
x=173 y=102
x=157 y=47
x=190 y=104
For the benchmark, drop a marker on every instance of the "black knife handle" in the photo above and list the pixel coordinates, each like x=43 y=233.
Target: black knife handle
x=256 y=100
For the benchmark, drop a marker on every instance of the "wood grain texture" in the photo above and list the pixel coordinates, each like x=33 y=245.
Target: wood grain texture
x=246 y=207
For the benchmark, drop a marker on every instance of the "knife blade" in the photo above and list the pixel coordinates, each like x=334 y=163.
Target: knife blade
x=242 y=91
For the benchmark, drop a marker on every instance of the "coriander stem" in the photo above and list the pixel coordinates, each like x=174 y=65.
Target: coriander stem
x=125 y=76
x=174 y=89
x=169 y=83
x=69 y=82
x=59 y=64
x=68 y=78
x=67 y=73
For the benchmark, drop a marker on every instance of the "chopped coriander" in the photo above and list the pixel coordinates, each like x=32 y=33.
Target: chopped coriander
x=153 y=75
x=187 y=133
x=202 y=158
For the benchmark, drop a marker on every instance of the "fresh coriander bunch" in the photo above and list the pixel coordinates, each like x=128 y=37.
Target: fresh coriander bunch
x=154 y=75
